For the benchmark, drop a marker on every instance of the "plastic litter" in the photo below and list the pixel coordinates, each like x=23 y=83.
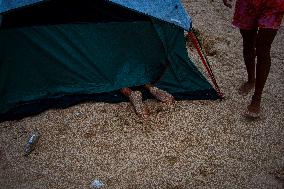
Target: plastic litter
x=33 y=139
x=97 y=184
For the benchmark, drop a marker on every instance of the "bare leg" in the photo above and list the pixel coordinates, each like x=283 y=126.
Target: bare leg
x=135 y=98
x=264 y=40
x=126 y=91
x=159 y=94
x=249 y=54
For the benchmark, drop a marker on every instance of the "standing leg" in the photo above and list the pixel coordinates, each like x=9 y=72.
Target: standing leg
x=249 y=53
x=264 y=40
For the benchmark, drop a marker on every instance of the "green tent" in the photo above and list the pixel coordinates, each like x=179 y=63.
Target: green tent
x=56 y=53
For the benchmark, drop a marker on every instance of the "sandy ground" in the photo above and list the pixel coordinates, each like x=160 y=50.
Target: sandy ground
x=192 y=144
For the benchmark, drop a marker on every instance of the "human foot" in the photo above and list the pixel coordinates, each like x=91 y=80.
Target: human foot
x=246 y=88
x=136 y=99
x=161 y=95
x=253 y=110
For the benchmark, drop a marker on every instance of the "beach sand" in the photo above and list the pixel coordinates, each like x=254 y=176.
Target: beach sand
x=191 y=144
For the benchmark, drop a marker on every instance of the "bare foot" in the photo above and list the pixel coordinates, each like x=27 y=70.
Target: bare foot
x=161 y=95
x=136 y=99
x=253 y=110
x=246 y=88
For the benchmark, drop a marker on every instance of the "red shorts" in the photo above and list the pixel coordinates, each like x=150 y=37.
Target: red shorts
x=253 y=14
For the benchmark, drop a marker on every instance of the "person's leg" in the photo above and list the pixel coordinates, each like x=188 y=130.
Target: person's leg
x=159 y=94
x=126 y=91
x=249 y=54
x=136 y=98
x=264 y=40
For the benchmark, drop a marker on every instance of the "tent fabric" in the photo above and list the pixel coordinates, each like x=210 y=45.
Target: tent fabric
x=170 y=11
x=55 y=61
x=88 y=52
x=70 y=11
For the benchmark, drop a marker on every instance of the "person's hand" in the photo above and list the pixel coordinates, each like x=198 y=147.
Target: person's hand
x=228 y=3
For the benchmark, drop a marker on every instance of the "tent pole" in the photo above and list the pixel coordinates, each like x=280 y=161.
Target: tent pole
x=192 y=37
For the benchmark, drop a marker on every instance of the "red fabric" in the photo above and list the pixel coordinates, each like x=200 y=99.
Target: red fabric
x=252 y=14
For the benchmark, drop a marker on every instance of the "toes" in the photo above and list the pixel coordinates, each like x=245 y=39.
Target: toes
x=251 y=115
x=252 y=112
